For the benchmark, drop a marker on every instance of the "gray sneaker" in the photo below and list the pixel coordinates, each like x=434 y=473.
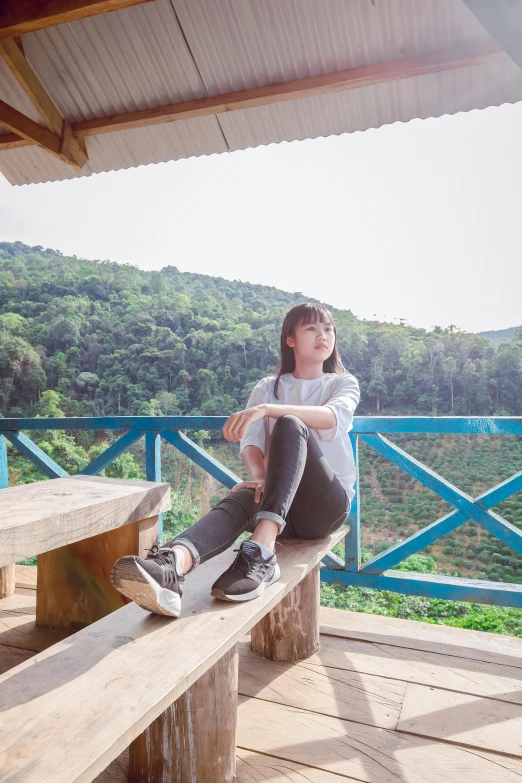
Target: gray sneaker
x=154 y=583
x=248 y=576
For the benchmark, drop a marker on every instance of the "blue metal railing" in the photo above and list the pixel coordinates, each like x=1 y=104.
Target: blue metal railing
x=378 y=572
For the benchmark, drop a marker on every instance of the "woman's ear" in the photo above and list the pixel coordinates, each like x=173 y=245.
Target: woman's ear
x=290 y=342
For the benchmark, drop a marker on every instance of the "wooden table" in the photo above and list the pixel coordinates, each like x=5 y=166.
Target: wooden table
x=78 y=526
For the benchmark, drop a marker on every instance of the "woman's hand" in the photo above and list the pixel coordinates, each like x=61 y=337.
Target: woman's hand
x=236 y=424
x=258 y=485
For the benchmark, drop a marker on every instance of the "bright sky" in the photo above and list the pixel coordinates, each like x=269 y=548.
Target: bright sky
x=420 y=221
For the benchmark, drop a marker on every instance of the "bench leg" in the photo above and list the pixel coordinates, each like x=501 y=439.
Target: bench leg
x=7 y=581
x=194 y=740
x=290 y=631
x=74 y=588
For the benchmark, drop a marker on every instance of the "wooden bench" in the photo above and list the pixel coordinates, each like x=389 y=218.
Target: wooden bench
x=167 y=688
x=78 y=527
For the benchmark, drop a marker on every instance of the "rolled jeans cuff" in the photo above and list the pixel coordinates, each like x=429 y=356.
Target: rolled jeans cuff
x=191 y=548
x=269 y=515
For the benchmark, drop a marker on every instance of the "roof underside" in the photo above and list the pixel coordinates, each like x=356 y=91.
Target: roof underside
x=170 y=51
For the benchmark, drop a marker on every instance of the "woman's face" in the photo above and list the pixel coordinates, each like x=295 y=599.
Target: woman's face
x=313 y=341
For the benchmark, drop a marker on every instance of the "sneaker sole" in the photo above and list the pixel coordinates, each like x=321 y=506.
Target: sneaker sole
x=134 y=582
x=218 y=593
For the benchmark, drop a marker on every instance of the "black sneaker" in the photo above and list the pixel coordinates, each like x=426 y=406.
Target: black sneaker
x=155 y=584
x=248 y=575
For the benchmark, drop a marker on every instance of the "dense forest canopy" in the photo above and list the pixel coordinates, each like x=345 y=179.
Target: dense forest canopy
x=112 y=339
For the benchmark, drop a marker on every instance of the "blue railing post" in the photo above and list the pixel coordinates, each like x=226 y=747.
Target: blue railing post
x=352 y=541
x=4 y=472
x=153 y=467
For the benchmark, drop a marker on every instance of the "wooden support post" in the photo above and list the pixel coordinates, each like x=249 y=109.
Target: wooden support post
x=74 y=588
x=194 y=740
x=290 y=631
x=7 y=581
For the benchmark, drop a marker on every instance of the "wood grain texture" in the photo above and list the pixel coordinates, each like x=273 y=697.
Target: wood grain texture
x=74 y=586
x=290 y=631
x=364 y=753
x=12 y=656
x=343 y=694
x=109 y=681
x=443 y=639
x=454 y=673
x=194 y=740
x=20 y=601
x=18 y=629
x=250 y=768
x=12 y=141
x=7 y=581
x=39 y=517
x=256 y=768
x=18 y=17
x=463 y=719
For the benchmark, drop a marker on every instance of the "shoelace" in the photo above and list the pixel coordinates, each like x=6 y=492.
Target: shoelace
x=159 y=557
x=245 y=562
x=167 y=558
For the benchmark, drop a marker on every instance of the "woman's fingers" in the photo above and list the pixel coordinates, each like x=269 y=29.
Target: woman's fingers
x=255 y=485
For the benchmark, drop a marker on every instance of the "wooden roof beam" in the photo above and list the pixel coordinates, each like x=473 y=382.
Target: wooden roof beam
x=18 y=17
x=28 y=129
x=75 y=154
x=339 y=81
x=11 y=141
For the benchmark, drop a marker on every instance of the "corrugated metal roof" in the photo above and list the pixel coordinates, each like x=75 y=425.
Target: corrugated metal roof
x=174 y=50
x=250 y=43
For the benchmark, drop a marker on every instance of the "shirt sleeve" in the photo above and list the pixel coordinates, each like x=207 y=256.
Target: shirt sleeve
x=343 y=402
x=256 y=433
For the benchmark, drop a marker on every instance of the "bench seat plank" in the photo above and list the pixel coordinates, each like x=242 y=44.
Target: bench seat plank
x=39 y=517
x=96 y=691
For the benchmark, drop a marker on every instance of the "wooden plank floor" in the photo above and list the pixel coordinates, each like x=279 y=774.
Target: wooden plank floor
x=384 y=701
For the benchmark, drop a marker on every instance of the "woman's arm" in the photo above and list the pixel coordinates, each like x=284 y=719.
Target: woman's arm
x=318 y=417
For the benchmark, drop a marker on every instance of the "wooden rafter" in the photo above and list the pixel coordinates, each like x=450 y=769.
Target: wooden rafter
x=18 y=17
x=339 y=81
x=72 y=151
x=28 y=129
x=11 y=141
x=503 y=21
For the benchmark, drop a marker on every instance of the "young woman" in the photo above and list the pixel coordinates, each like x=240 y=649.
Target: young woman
x=294 y=442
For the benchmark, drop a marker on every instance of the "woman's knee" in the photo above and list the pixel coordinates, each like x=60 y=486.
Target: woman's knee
x=244 y=497
x=289 y=421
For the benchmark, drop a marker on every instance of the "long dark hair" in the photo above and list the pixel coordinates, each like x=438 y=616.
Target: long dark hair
x=306 y=313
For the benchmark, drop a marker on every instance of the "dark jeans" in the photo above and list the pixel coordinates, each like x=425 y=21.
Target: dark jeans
x=302 y=494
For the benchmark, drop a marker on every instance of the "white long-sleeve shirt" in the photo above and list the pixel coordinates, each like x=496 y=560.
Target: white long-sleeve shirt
x=338 y=392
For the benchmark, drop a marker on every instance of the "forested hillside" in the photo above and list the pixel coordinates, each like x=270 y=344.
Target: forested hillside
x=114 y=339
x=500 y=335
x=94 y=338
